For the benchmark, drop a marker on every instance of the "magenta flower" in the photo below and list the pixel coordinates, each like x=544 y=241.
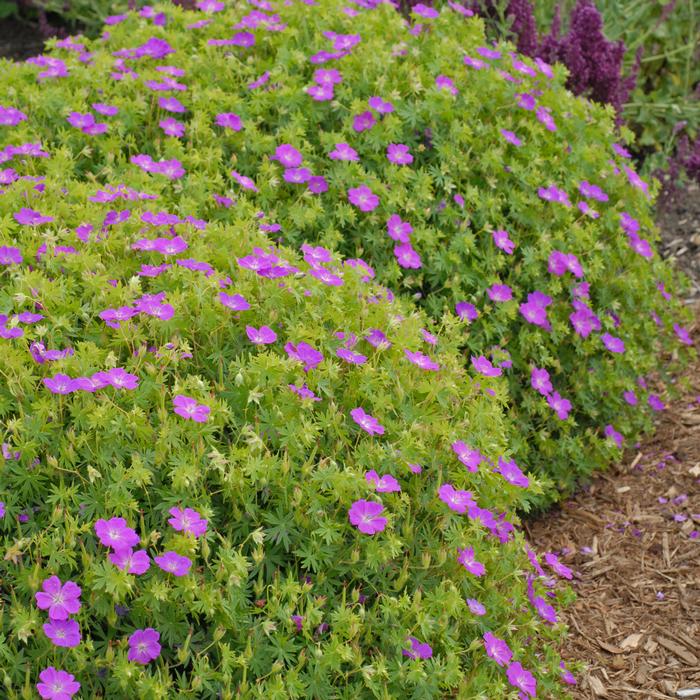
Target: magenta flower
x=381 y=106
x=30 y=217
x=497 y=649
x=343 y=152
x=171 y=104
x=559 y=405
x=539 y=381
x=317 y=184
x=173 y=563
x=116 y=534
x=443 y=82
x=398 y=154
x=611 y=433
x=363 y=198
x=559 y=263
x=655 y=402
x=63 y=633
x=483 y=366
x=511 y=137
x=522 y=679
x=119 y=378
x=261 y=336
x=467 y=559
x=475 y=607
x=397 y=229
x=554 y=194
x=59 y=384
x=502 y=241
x=229 y=120
x=382 y=484
x=57 y=685
x=512 y=473
x=418 y=650
x=407 y=257
x=367 y=422
x=10 y=116
x=321 y=93
x=304 y=392
x=682 y=334
x=469 y=457
x=456 y=499
x=287 y=156
x=61 y=600
x=466 y=311
x=235 y=302
x=422 y=361
x=566 y=675
x=104 y=109
x=630 y=397
x=612 y=343
x=475 y=63
x=188 y=520
x=583 y=320
x=592 y=191
x=366 y=516
x=558 y=568
x=324 y=76
x=244 y=181
x=364 y=121
x=377 y=339
x=303 y=352
x=172 y=127
x=136 y=563
x=144 y=646
x=189 y=409
x=500 y=292
x=350 y=356
x=10 y=255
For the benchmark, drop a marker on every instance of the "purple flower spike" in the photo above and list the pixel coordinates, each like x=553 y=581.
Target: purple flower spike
x=173 y=563
x=144 y=646
x=367 y=422
x=188 y=520
x=497 y=649
x=467 y=559
x=57 y=685
x=261 y=336
x=366 y=516
x=61 y=600
x=418 y=650
x=189 y=409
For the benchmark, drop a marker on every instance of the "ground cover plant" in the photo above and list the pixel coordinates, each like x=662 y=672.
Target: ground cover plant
x=264 y=471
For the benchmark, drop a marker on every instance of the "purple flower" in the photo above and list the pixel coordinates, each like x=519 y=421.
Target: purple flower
x=10 y=116
x=317 y=184
x=261 y=336
x=229 y=120
x=427 y=13
x=30 y=217
x=467 y=558
x=418 y=650
x=173 y=563
x=611 y=433
x=612 y=343
x=592 y=191
x=189 y=409
x=297 y=176
x=457 y=500
x=566 y=675
x=172 y=127
x=287 y=156
x=381 y=106
x=497 y=649
x=630 y=397
x=511 y=137
x=539 y=380
x=483 y=366
x=500 y=292
x=407 y=257
x=559 y=405
x=443 y=82
x=466 y=311
x=522 y=679
x=354 y=358
x=324 y=76
x=475 y=607
x=422 y=361
x=61 y=600
x=63 y=633
x=136 y=563
x=367 y=422
x=377 y=339
x=343 y=152
x=363 y=121
x=104 y=109
x=10 y=255
x=119 y=378
x=303 y=352
x=554 y=194
x=558 y=568
x=57 y=685
x=584 y=321
x=235 y=302
x=244 y=181
x=363 y=198
x=366 y=516
x=682 y=334
x=468 y=456
x=559 y=263
x=512 y=473
x=544 y=117
x=171 y=104
x=502 y=241
x=144 y=646
x=304 y=392
x=59 y=384
x=382 y=484
x=115 y=533
x=321 y=93
x=188 y=520
x=399 y=154
x=656 y=403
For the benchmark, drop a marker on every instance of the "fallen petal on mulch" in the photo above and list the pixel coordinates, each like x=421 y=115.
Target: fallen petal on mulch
x=633 y=540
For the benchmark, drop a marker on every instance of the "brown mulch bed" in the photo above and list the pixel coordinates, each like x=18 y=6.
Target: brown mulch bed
x=629 y=537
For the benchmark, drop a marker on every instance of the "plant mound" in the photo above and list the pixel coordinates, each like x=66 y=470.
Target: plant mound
x=232 y=468
x=465 y=174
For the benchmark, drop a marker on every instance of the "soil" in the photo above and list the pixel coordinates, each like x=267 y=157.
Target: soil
x=633 y=539
x=19 y=40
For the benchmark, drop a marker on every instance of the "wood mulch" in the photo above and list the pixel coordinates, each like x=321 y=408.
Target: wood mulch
x=633 y=539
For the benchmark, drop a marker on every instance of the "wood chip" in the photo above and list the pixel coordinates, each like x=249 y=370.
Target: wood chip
x=631 y=641
x=681 y=652
x=597 y=686
x=610 y=647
